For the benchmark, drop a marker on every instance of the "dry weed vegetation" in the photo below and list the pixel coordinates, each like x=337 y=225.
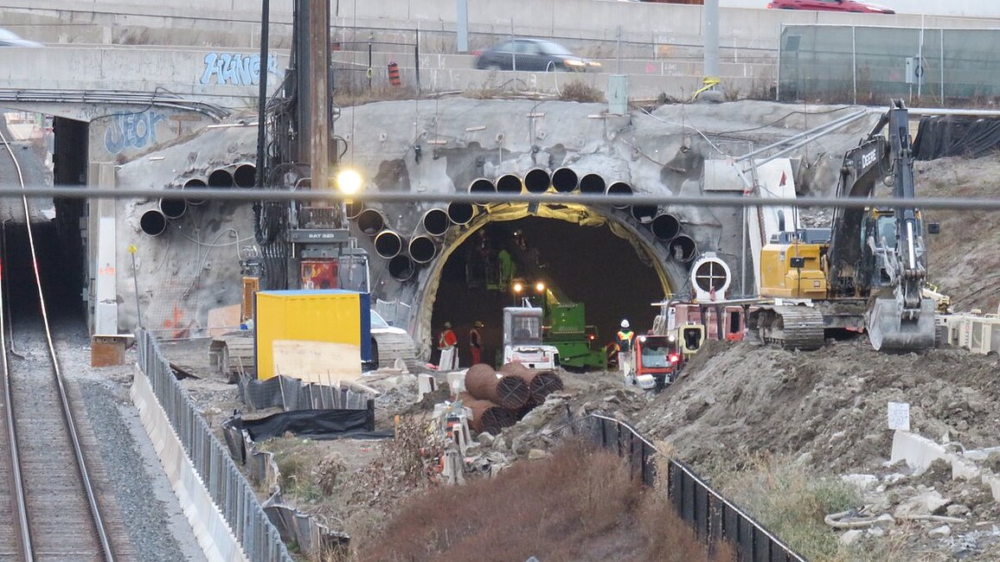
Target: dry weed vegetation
x=578 y=504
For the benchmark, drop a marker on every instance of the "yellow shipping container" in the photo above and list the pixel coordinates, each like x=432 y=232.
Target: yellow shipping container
x=317 y=336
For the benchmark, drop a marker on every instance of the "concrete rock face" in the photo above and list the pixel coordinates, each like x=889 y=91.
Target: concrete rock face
x=442 y=146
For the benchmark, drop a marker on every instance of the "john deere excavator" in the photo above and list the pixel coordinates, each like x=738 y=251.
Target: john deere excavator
x=865 y=273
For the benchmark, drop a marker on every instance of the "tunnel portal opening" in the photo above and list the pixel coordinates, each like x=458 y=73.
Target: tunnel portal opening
x=60 y=287
x=579 y=264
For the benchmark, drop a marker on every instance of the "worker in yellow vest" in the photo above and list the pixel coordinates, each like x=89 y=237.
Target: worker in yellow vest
x=624 y=340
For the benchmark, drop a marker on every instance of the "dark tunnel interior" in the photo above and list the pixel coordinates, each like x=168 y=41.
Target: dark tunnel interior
x=60 y=285
x=588 y=265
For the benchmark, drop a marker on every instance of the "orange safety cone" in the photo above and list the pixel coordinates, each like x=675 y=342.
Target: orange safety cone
x=394 y=73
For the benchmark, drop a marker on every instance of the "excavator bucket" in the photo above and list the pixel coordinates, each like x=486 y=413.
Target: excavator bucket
x=888 y=331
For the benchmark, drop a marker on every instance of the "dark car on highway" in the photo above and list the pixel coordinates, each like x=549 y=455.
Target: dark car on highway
x=532 y=55
x=829 y=6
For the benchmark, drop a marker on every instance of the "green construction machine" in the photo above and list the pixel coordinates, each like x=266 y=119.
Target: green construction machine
x=578 y=344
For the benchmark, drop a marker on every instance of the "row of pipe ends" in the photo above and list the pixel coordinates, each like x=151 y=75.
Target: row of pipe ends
x=423 y=246
x=154 y=221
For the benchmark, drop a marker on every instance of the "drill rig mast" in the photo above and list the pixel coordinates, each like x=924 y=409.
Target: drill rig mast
x=306 y=246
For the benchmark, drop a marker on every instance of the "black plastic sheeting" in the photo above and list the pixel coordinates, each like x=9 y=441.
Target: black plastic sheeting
x=939 y=136
x=315 y=424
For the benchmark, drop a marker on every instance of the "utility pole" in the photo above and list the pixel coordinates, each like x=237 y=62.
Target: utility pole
x=318 y=70
x=711 y=90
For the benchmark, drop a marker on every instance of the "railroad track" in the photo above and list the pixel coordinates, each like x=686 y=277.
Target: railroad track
x=52 y=509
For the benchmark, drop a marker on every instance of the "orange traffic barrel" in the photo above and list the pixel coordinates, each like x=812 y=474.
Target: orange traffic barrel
x=394 y=73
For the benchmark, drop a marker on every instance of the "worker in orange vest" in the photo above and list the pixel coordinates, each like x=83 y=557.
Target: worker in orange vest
x=476 y=343
x=624 y=340
x=446 y=343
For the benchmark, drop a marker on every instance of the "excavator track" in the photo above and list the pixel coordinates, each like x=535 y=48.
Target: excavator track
x=792 y=327
x=397 y=346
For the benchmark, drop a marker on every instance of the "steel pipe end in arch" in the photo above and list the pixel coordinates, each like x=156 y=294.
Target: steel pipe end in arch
x=461 y=213
x=665 y=227
x=509 y=184
x=173 y=207
x=195 y=184
x=422 y=249
x=644 y=213
x=710 y=274
x=537 y=180
x=683 y=249
x=220 y=178
x=619 y=188
x=435 y=222
x=245 y=175
x=152 y=222
x=354 y=208
x=370 y=222
x=401 y=268
x=593 y=184
x=565 y=180
x=482 y=185
x=388 y=244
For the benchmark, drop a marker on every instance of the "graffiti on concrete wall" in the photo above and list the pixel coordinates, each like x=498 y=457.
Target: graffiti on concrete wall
x=132 y=130
x=236 y=69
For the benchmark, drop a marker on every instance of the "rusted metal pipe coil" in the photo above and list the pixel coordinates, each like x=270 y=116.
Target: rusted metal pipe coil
x=511 y=392
x=540 y=383
x=486 y=416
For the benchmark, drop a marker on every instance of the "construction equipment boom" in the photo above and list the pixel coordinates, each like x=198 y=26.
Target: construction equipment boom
x=867 y=272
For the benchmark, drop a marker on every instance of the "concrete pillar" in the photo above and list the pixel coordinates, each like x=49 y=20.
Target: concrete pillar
x=103 y=253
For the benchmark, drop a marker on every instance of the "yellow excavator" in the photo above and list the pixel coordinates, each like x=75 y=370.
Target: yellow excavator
x=867 y=272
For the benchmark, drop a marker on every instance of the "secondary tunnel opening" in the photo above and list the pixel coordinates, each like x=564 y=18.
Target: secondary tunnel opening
x=580 y=264
x=55 y=225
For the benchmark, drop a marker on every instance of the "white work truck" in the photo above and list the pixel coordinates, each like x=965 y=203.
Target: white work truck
x=522 y=339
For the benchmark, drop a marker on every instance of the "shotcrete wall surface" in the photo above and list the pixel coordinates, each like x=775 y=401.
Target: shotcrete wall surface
x=441 y=146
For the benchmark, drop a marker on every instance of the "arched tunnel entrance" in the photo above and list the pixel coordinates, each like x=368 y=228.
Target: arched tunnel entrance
x=61 y=288
x=580 y=264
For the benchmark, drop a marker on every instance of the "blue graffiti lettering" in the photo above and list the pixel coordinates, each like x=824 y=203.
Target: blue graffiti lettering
x=132 y=130
x=236 y=69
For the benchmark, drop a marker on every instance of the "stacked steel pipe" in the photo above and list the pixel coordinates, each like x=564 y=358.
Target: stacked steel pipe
x=486 y=416
x=540 y=383
x=501 y=399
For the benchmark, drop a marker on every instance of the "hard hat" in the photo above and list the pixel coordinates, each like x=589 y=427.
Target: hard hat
x=447 y=324
x=624 y=323
x=478 y=324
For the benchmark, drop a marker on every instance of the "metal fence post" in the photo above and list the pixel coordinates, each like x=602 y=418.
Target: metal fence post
x=416 y=56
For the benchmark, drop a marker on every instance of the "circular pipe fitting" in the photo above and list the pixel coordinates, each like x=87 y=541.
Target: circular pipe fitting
x=152 y=222
x=509 y=184
x=422 y=249
x=354 y=208
x=619 y=188
x=644 y=213
x=195 y=184
x=371 y=222
x=173 y=207
x=401 y=268
x=537 y=180
x=482 y=185
x=245 y=175
x=435 y=222
x=665 y=227
x=565 y=180
x=683 y=249
x=220 y=178
x=388 y=244
x=461 y=213
x=593 y=184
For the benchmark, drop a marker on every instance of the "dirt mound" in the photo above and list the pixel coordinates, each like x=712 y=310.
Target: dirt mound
x=829 y=404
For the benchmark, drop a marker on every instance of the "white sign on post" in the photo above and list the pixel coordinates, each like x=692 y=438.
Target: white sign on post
x=899 y=416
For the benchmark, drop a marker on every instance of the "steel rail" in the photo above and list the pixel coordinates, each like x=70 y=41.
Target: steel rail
x=21 y=501
x=736 y=201
x=67 y=412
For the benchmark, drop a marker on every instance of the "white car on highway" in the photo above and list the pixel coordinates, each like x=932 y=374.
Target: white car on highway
x=10 y=39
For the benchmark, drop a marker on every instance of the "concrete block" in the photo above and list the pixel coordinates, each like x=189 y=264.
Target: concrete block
x=918 y=452
x=993 y=481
